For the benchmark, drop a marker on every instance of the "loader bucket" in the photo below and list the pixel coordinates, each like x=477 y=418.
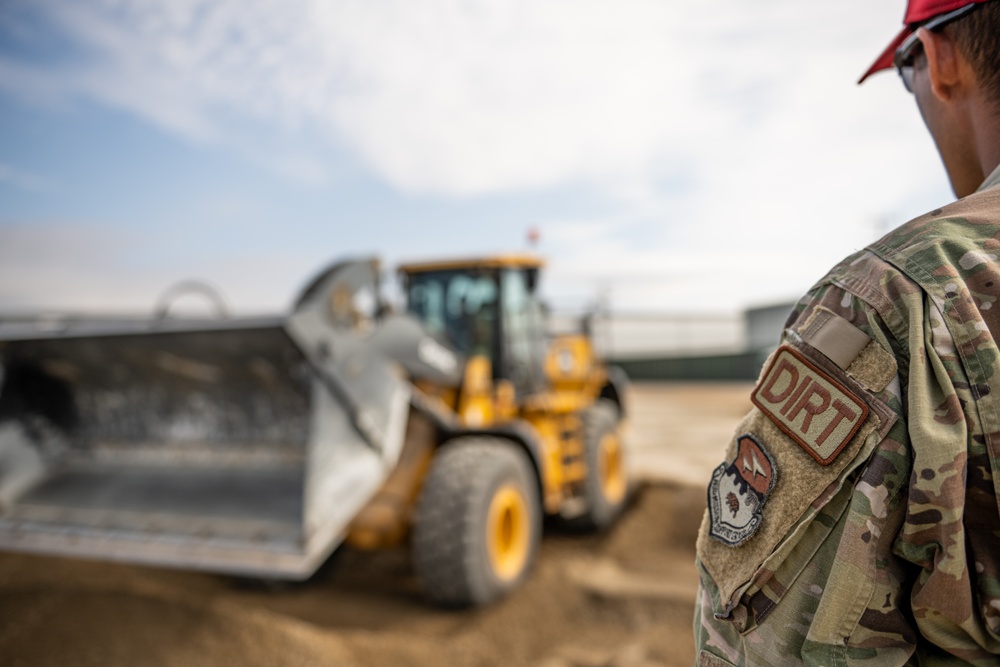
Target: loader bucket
x=237 y=446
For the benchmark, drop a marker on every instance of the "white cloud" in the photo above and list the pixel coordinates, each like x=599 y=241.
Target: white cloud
x=775 y=164
x=452 y=97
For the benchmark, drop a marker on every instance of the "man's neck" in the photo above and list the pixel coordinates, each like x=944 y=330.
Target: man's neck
x=986 y=128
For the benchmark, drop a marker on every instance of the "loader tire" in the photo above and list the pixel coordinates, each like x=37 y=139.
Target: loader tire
x=606 y=486
x=478 y=522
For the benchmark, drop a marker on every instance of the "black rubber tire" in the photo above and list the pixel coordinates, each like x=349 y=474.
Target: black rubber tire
x=601 y=512
x=450 y=543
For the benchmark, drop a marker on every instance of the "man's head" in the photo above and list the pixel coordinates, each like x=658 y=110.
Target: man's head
x=949 y=56
x=978 y=38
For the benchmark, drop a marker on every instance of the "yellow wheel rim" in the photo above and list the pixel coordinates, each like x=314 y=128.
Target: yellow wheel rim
x=508 y=532
x=611 y=468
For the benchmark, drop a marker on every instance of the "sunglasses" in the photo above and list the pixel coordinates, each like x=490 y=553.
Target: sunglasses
x=910 y=48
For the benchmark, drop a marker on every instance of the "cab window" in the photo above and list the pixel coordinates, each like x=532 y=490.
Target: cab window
x=459 y=306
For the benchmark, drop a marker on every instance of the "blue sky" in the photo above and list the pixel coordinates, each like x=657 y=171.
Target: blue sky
x=681 y=156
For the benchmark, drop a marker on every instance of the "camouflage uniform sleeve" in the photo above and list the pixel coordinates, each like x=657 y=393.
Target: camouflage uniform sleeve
x=883 y=552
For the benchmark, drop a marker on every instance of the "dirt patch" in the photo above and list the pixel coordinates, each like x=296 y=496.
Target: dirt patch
x=679 y=430
x=622 y=599
x=66 y=626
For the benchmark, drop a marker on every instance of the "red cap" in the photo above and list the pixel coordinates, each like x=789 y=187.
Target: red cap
x=917 y=11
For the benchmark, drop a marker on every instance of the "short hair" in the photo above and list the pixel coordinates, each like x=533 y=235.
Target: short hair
x=977 y=37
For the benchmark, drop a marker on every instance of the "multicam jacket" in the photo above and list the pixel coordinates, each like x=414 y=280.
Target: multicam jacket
x=855 y=519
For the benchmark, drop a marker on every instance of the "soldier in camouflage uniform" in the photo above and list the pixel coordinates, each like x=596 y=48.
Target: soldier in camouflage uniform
x=855 y=518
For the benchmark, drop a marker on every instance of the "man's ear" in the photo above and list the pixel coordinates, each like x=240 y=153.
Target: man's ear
x=942 y=63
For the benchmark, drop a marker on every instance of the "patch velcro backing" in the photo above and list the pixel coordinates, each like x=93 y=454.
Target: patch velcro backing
x=812 y=408
x=802 y=491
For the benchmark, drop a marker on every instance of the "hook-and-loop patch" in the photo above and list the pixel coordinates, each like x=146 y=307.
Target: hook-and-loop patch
x=738 y=491
x=808 y=405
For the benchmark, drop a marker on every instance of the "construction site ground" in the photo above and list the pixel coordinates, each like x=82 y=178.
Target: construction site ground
x=621 y=599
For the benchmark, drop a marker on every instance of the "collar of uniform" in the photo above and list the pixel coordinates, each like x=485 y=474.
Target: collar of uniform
x=991 y=181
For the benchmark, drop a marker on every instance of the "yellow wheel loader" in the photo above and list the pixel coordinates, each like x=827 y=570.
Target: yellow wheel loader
x=256 y=446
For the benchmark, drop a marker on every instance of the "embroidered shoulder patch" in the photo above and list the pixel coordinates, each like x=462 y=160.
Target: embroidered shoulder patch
x=811 y=407
x=738 y=491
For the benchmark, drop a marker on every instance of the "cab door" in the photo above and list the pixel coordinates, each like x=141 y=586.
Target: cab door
x=522 y=352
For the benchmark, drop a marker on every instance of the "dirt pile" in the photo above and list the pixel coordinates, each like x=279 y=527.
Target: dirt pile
x=624 y=599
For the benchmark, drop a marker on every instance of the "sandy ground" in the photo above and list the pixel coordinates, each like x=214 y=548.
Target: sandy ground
x=622 y=599
x=678 y=431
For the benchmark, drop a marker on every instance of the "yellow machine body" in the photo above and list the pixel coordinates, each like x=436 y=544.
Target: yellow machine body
x=571 y=378
x=255 y=446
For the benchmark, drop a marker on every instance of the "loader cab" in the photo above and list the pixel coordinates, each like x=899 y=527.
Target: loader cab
x=486 y=307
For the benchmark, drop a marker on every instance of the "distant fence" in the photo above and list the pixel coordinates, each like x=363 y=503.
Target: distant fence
x=742 y=366
x=645 y=336
x=693 y=347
